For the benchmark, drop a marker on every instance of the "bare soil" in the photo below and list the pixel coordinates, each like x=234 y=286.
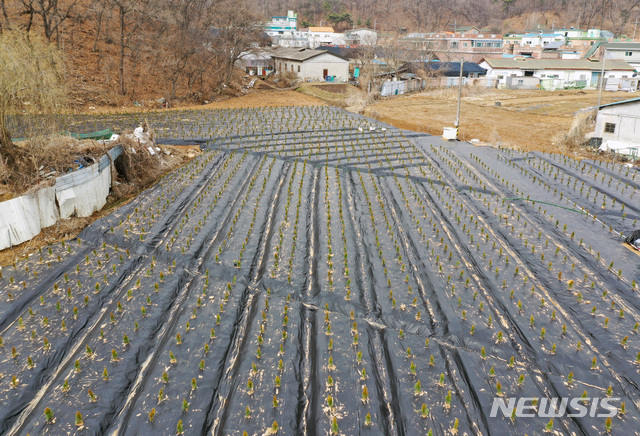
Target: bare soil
x=529 y=120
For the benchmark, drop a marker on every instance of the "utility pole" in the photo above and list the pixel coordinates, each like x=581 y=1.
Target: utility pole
x=457 y=123
x=604 y=56
x=635 y=24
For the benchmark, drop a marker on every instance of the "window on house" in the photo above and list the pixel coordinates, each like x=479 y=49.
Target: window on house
x=298 y=68
x=528 y=74
x=498 y=44
x=454 y=44
x=628 y=53
x=610 y=127
x=489 y=44
x=464 y=44
x=500 y=77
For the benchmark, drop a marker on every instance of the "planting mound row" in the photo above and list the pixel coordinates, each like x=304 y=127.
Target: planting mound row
x=315 y=272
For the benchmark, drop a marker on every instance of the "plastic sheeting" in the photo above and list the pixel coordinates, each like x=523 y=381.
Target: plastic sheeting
x=621 y=147
x=83 y=192
x=22 y=218
x=80 y=193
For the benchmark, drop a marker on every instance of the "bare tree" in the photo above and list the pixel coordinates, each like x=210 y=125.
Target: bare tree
x=53 y=14
x=4 y=22
x=126 y=25
x=236 y=30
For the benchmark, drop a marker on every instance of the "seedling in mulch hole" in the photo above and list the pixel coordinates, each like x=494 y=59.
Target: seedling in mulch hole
x=79 y=420
x=367 y=420
x=609 y=391
x=334 y=426
x=185 y=405
x=65 y=386
x=499 y=389
x=48 y=414
x=152 y=414
x=179 y=428
x=92 y=397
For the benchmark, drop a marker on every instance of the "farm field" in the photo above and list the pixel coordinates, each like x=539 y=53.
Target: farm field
x=530 y=120
x=315 y=271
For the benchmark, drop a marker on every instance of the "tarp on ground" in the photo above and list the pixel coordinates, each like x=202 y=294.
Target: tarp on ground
x=634 y=239
x=99 y=135
x=621 y=147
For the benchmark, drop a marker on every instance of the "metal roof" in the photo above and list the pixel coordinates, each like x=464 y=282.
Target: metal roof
x=623 y=46
x=558 y=64
x=452 y=68
x=321 y=29
x=553 y=45
x=302 y=54
x=631 y=100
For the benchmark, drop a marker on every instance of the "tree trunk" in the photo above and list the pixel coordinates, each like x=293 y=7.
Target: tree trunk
x=121 y=66
x=7 y=147
x=98 y=30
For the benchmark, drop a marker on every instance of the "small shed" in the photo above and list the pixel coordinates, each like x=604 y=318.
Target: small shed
x=312 y=64
x=618 y=126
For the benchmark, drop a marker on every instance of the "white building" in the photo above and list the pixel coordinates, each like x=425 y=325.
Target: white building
x=626 y=51
x=573 y=72
x=540 y=39
x=618 y=124
x=318 y=36
x=282 y=25
x=309 y=64
x=364 y=36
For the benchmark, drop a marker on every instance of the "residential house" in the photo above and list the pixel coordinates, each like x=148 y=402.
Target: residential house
x=554 y=43
x=618 y=126
x=282 y=25
x=537 y=45
x=310 y=64
x=365 y=37
x=627 y=51
x=564 y=72
x=470 y=43
x=318 y=36
x=449 y=69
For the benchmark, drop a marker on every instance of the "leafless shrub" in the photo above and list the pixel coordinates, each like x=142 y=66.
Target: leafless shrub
x=576 y=136
x=286 y=79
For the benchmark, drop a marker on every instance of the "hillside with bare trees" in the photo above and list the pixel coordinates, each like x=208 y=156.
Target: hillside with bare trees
x=121 y=52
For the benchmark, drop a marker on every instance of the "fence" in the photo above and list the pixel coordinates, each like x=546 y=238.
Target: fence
x=398 y=87
x=451 y=82
x=80 y=193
